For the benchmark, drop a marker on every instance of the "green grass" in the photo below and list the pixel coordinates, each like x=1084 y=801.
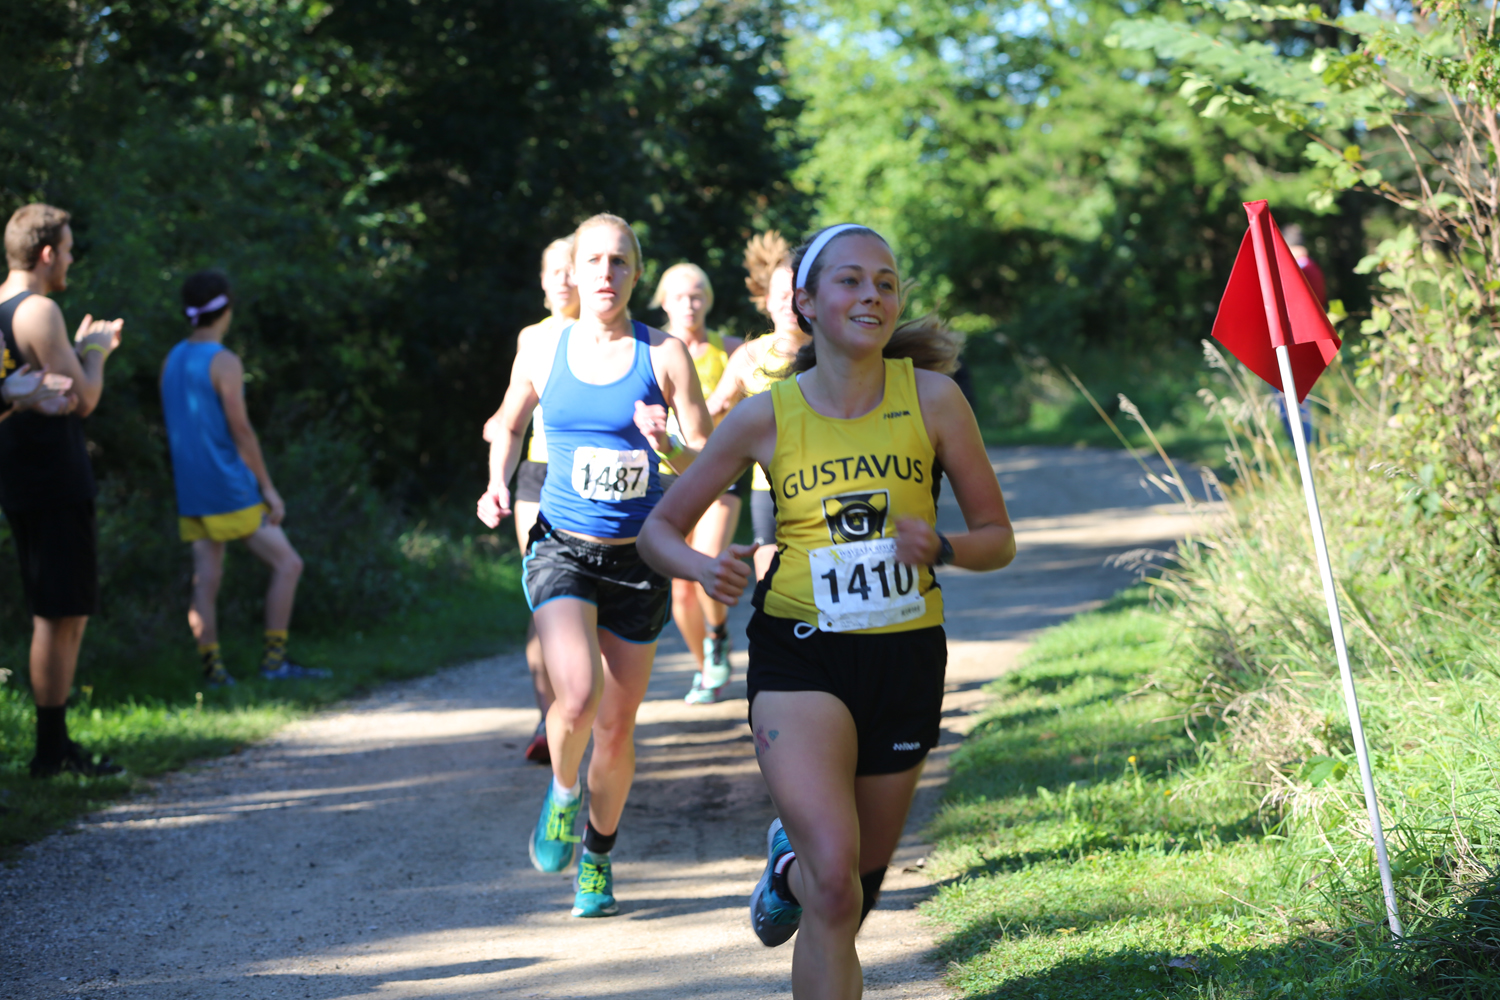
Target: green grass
x=155 y=716
x=1089 y=848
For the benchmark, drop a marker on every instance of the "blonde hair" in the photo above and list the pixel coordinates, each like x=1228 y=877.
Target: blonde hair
x=684 y=268
x=562 y=242
x=606 y=219
x=764 y=255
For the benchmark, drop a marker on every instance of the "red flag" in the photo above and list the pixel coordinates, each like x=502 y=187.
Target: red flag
x=1268 y=303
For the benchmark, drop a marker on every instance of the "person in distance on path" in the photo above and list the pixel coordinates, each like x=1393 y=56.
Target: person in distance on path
x=562 y=303
x=224 y=490
x=598 y=608
x=753 y=368
x=686 y=295
x=847 y=650
x=46 y=480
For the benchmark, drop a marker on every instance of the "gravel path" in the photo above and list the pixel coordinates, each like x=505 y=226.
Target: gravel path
x=379 y=850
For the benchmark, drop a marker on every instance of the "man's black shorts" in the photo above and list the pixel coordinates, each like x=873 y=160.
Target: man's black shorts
x=892 y=683
x=529 y=479
x=59 y=551
x=763 y=516
x=633 y=599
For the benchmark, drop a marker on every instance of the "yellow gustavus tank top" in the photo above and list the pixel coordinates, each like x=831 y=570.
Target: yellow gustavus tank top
x=711 y=363
x=840 y=487
x=759 y=380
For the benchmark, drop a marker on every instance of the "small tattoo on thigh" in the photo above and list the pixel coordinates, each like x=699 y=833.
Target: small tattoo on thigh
x=763 y=739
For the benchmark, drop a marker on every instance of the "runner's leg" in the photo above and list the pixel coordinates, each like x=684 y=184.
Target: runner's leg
x=271 y=546
x=525 y=515
x=882 y=800
x=568 y=628
x=807 y=748
x=687 y=613
x=627 y=672
x=208 y=573
x=714 y=532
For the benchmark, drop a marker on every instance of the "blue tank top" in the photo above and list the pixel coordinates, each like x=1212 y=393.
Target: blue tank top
x=604 y=494
x=211 y=477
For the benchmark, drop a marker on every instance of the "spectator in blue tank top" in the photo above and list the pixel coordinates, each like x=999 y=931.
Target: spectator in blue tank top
x=224 y=491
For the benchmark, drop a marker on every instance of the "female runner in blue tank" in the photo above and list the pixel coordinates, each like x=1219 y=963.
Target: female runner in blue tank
x=847 y=650
x=597 y=607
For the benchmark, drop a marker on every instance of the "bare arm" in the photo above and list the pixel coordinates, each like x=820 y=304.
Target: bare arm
x=227 y=373
x=684 y=394
x=506 y=429
x=43 y=340
x=990 y=542
x=731 y=387
x=747 y=435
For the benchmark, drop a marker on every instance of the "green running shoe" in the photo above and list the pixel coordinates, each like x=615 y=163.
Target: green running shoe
x=596 y=887
x=699 y=694
x=773 y=919
x=553 y=842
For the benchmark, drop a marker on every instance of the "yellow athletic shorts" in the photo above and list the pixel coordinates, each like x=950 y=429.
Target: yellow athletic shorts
x=229 y=527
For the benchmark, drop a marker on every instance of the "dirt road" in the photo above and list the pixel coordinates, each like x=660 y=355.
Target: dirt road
x=379 y=850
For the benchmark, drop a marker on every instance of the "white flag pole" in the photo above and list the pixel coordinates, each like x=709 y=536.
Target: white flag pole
x=1336 y=622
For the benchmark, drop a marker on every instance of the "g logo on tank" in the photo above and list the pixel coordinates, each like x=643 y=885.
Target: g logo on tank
x=856 y=517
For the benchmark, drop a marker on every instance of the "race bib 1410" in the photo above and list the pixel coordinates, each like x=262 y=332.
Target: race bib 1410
x=861 y=585
x=609 y=475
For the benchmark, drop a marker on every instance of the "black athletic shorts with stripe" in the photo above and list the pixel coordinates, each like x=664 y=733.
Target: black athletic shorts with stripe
x=892 y=683
x=634 y=600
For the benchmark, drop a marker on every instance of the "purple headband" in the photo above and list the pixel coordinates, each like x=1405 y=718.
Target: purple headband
x=212 y=305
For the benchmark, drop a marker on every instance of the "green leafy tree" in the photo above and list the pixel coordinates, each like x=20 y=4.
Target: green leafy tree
x=1037 y=178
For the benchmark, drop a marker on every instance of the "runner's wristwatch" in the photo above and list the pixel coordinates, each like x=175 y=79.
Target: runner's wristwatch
x=945 y=551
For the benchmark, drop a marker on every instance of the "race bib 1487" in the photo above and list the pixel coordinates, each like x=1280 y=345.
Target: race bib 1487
x=609 y=475
x=861 y=585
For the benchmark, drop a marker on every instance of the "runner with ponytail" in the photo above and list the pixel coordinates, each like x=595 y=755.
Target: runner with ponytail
x=847 y=650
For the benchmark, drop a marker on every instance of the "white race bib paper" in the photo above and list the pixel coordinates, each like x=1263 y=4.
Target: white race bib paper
x=861 y=585
x=609 y=475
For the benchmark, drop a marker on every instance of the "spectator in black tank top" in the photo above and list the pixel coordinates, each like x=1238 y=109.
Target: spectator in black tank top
x=46 y=482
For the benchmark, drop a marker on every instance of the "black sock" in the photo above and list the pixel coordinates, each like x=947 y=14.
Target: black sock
x=870 y=882
x=598 y=843
x=721 y=630
x=779 y=883
x=51 y=731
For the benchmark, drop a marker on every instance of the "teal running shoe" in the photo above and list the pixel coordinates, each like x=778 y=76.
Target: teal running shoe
x=596 y=887
x=773 y=918
x=709 y=683
x=553 y=842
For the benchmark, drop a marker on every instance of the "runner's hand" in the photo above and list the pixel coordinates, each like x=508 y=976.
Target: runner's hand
x=277 y=505
x=104 y=332
x=652 y=421
x=494 y=507
x=26 y=389
x=726 y=578
x=916 y=542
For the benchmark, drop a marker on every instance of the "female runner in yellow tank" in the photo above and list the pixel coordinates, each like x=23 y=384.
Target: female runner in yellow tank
x=753 y=368
x=686 y=295
x=847 y=651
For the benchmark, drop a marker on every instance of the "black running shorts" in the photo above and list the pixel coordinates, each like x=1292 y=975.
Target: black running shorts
x=633 y=599
x=763 y=516
x=529 y=479
x=58 y=547
x=892 y=683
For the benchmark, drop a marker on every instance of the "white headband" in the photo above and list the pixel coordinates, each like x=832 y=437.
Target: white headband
x=212 y=305
x=817 y=248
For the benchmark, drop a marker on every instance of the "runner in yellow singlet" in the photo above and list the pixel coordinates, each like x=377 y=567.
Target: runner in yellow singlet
x=752 y=369
x=562 y=302
x=847 y=650
x=686 y=296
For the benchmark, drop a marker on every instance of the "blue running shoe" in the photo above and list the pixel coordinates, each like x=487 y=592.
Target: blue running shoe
x=773 y=919
x=596 y=887
x=289 y=671
x=553 y=842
